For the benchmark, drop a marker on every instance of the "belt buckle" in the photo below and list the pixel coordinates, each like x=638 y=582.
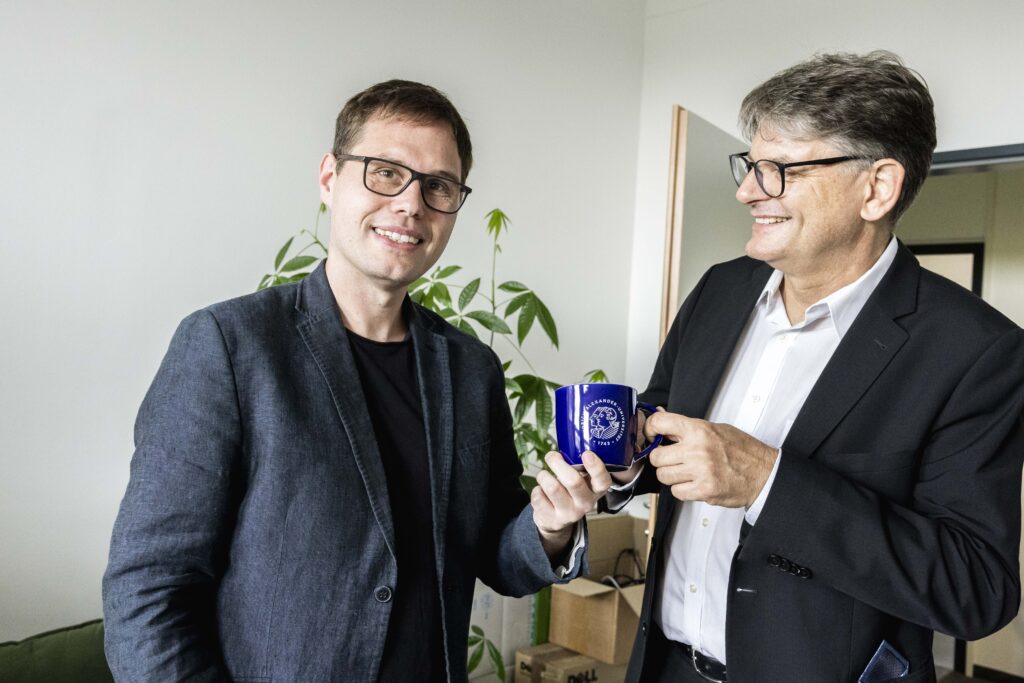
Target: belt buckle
x=696 y=667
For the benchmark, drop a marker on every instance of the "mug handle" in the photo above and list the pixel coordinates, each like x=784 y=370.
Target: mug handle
x=657 y=439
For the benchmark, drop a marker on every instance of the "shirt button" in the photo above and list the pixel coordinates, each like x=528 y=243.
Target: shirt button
x=755 y=399
x=382 y=594
x=705 y=521
x=693 y=588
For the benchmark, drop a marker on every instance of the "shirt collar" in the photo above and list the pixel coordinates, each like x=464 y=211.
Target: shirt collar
x=842 y=305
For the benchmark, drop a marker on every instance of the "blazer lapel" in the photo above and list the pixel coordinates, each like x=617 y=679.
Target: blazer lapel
x=324 y=335
x=865 y=351
x=434 y=376
x=707 y=355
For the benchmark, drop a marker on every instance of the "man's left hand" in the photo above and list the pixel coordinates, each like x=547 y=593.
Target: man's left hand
x=712 y=462
x=560 y=500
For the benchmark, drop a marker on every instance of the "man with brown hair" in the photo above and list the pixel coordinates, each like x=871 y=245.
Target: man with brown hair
x=323 y=469
x=844 y=440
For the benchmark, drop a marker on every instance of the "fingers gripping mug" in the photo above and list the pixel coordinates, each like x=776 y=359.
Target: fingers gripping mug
x=601 y=418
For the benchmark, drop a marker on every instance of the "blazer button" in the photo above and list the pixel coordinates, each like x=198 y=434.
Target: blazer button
x=773 y=560
x=784 y=564
x=643 y=628
x=382 y=594
x=804 y=573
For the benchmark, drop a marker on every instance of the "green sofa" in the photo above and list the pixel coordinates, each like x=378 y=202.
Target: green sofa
x=67 y=655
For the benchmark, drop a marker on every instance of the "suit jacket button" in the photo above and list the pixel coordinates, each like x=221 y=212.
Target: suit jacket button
x=773 y=560
x=382 y=594
x=643 y=628
x=784 y=564
x=804 y=573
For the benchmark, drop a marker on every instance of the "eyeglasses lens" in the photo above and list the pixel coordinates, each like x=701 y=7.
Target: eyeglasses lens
x=391 y=179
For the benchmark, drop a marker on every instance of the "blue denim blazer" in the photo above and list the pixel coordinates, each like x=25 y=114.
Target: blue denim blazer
x=255 y=540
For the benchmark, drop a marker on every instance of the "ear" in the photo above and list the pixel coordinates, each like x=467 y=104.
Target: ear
x=328 y=174
x=885 y=181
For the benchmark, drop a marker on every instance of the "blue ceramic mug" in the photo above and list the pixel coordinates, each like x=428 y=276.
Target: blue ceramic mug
x=601 y=418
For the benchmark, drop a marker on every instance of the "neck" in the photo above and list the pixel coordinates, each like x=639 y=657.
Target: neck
x=371 y=312
x=802 y=290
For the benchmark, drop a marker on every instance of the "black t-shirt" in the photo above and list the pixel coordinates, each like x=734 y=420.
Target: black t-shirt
x=414 y=648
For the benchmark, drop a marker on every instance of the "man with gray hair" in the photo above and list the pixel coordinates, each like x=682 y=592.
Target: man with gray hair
x=842 y=468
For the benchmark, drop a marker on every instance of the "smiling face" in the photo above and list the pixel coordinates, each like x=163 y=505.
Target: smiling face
x=815 y=230
x=385 y=243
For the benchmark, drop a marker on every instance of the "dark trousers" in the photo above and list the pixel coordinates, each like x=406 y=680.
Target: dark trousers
x=665 y=663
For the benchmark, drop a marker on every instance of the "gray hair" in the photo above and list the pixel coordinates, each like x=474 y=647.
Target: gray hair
x=865 y=105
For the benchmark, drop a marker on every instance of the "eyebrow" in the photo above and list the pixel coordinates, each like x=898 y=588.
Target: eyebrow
x=441 y=173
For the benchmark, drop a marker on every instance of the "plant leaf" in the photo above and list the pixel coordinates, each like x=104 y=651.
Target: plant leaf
x=526 y=316
x=472 y=640
x=477 y=630
x=547 y=323
x=517 y=303
x=467 y=328
x=496 y=660
x=490 y=321
x=595 y=377
x=439 y=293
x=474 y=657
x=446 y=271
x=298 y=262
x=505 y=366
x=527 y=482
x=468 y=293
x=282 y=252
x=496 y=222
x=513 y=386
x=447 y=314
x=323 y=207
x=263 y=282
x=513 y=286
x=417 y=283
x=544 y=407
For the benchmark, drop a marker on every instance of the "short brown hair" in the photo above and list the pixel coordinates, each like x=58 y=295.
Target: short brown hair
x=866 y=105
x=407 y=100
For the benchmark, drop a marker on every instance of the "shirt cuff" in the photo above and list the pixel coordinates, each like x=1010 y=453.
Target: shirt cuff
x=620 y=494
x=754 y=511
x=577 y=542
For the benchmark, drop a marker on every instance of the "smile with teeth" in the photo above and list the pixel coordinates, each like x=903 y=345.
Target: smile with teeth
x=768 y=220
x=397 y=237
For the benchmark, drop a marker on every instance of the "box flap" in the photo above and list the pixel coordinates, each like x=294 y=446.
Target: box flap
x=583 y=587
x=634 y=597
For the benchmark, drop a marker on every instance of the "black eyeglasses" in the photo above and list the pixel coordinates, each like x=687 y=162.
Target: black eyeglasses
x=771 y=175
x=390 y=179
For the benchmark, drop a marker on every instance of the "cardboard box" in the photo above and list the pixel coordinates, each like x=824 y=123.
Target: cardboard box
x=582 y=669
x=598 y=619
x=530 y=661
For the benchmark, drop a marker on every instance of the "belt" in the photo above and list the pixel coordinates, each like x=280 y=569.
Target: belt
x=708 y=668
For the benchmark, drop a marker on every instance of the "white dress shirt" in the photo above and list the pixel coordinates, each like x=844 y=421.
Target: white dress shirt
x=771 y=372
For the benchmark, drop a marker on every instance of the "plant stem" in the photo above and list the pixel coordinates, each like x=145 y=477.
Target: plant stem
x=494 y=297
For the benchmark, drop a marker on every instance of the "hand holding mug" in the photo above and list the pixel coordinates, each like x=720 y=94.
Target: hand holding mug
x=563 y=496
x=712 y=462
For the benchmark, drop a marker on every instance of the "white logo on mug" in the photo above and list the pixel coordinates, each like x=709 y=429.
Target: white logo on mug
x=607 y=422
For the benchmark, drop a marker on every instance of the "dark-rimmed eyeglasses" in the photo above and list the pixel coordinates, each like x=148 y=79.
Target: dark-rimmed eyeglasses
x=390 y=178
x=771 y=175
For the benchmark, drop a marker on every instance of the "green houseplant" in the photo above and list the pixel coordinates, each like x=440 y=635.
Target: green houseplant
x=488 y=310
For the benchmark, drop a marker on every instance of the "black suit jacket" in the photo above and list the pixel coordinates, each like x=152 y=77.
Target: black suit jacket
x=896 y=506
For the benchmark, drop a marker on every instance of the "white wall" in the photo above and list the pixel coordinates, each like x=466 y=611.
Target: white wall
x=706 y=56
x=154 y=156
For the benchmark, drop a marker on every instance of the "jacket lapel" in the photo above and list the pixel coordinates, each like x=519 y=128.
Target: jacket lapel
x=435 y=384
x=324 y=335
x=707 y=355
x=865 y=351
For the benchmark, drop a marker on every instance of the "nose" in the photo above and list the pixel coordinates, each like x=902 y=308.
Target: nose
x=410 y=200
x=750 y=190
